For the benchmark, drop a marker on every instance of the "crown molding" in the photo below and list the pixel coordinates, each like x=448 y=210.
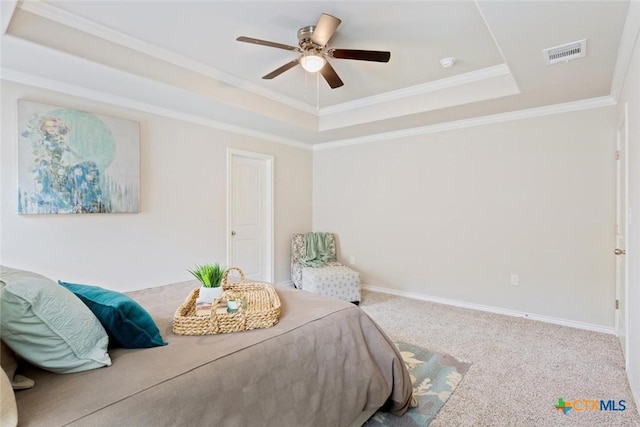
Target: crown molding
x=63 y=17
x=604 y=101
x=425 y=88
x=99 y=96
x=628 y=40
x=57 y=86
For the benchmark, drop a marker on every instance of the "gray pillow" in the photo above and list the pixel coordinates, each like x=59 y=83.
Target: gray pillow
x=48 y=326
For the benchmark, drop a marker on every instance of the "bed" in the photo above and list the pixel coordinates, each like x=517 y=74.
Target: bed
x=326 y=363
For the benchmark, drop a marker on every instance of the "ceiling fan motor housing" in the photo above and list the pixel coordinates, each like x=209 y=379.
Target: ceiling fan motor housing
x=304 y=39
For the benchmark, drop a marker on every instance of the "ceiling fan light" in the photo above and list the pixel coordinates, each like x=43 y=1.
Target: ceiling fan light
x=312 y=63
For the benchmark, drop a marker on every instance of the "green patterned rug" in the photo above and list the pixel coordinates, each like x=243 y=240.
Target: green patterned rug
x=435 y=377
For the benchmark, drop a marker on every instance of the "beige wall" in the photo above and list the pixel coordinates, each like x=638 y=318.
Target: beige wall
x=631 y=96
x=183 y=199
x=454 y=214
x=447 y=215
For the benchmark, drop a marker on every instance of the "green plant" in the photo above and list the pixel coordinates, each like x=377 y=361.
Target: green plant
x=210 y=275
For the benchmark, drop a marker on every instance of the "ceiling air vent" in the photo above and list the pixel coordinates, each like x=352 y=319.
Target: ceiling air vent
x=565 y=52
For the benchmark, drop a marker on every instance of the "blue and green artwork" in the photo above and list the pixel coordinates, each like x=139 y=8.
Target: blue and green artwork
x=72 y=161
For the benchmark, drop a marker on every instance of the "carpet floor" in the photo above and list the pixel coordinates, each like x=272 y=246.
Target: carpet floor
x=520 y=367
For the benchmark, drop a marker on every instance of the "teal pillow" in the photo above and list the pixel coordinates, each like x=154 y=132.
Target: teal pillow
x=125 y=320
x=48 y=326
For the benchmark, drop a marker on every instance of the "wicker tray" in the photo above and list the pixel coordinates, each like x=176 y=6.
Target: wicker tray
x=262 y=309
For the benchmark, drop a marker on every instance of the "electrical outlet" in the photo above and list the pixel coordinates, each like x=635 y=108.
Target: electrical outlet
x=515 y=280
x=352 y=260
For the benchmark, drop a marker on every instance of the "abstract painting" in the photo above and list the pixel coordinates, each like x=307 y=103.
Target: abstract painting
x=72 y=161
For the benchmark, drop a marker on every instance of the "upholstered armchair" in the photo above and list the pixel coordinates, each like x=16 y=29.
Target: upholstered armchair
x=332 y=279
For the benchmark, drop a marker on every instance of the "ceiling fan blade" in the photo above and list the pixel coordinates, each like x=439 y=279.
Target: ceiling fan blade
x=267 y=43
x=331 y=76
x=361 y=55
x=326 y=26
x=278 y=71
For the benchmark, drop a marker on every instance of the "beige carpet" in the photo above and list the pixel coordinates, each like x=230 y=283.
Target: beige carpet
x=520 y=367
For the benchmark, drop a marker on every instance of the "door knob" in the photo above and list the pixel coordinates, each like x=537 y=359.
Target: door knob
x=619 y=252
x=233 y=233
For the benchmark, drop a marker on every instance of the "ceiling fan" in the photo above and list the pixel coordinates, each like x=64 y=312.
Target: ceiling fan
x=312 y=47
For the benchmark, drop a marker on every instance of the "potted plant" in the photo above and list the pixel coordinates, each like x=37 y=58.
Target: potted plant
x=209 y=275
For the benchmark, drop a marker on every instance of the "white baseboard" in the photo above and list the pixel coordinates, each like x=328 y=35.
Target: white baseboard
x=496 y=310
x=287 y=284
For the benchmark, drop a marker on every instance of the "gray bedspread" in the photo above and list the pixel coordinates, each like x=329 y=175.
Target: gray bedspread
x=323 y=364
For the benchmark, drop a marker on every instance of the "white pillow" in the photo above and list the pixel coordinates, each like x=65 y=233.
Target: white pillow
x=10 y=365
x=8 y=407
x=47 y=325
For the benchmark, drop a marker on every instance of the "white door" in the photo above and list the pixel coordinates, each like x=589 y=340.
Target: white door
x=621 y=234
x=250 y=216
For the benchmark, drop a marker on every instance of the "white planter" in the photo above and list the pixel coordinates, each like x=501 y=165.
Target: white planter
x=209 y=294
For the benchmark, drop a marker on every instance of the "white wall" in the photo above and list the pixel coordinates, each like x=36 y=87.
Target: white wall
x=453 y=214
x=631 y=95
x=183 y=204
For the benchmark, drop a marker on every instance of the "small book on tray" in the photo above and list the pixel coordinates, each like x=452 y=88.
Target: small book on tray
x=204 y=308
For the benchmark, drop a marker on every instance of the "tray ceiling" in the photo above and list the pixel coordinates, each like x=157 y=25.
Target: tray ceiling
x=182 y=56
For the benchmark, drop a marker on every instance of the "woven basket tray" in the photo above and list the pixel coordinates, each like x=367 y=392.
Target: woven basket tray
x=262 y=309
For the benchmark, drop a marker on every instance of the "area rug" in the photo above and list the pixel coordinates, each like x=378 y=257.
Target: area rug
x=434 y=376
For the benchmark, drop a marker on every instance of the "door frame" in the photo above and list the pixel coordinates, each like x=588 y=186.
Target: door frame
x=624 y=145
x=268 y=197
